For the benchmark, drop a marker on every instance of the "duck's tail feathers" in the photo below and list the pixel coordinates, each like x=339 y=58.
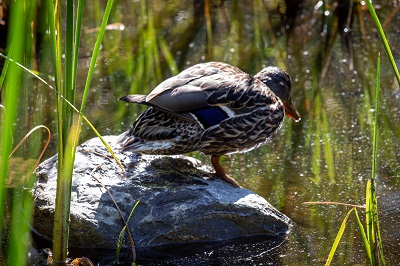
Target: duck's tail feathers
x=135 y=98
x=121 y=139
x=125 y=141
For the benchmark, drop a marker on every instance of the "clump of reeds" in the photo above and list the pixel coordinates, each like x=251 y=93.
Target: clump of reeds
x=68 y=118
x=371 y=234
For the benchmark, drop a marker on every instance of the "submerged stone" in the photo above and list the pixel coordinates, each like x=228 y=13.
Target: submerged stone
x=181 y=205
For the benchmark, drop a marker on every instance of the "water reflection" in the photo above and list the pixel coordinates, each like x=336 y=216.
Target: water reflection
x=329 y=49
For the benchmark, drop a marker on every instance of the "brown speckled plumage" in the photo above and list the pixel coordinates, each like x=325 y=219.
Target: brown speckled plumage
x=211 y=107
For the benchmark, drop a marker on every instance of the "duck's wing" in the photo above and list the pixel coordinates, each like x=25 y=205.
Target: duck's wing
x=205 y=85
x=190 y=89
x=208 y=93
x=184 y=86
x=194 y=73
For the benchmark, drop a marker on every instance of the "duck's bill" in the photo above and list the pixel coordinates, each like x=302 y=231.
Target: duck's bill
x=291 y=111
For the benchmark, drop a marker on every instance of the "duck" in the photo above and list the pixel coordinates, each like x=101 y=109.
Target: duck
x=214 y=108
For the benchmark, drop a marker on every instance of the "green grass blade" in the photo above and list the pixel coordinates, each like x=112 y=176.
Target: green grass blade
x=372 y=222
x=364 y=238
x=63 y=199
x=67 y=147
x=54 y=8
x=16 y=39
x=4 y=70
x=337 y=239
x=378 y=234
x=90 y=74
x=327 y=146
x=373 y=199
x=96 y=50
x=11 y=96
x=375 y=134
x=77 y=38
x=53 y=30
x=369 y=222
x=69 y=56
x=21 y=217
x=122 y=233
x=383 y=39
x=375 y=239
x=54 y=16
x=65 y=87
x=19 y=46
x=153 y=49
x=169 y=58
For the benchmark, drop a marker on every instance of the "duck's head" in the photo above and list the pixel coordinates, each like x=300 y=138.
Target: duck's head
x=279 y=82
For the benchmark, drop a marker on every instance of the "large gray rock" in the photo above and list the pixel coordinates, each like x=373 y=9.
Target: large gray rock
x=180 y=202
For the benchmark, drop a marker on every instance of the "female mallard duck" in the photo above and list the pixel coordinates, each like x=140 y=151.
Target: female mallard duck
x=214 y=108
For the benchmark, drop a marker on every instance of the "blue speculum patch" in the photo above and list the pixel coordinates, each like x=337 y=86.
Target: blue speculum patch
x=210 y=116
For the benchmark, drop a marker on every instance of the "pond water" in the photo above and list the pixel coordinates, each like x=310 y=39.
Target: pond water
x=329 y=48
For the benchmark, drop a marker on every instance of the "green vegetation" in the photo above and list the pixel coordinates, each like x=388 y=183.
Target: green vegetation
x=383 y=39
x=14 y=222
x=371 y=237
x=68 y=127
x=65 y=69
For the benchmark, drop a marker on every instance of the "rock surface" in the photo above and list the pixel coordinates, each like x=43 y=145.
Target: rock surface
x=180 y=202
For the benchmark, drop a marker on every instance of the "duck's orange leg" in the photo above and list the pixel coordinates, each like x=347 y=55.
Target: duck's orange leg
x=220 y=172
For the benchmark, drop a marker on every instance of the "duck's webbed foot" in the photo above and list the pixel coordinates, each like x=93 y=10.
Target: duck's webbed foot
x=220 y=172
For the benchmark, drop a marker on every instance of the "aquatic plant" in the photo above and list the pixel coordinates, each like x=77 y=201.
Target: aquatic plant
x=371 y=236
x=69 y=126
x=15 y=202
x=383 y=39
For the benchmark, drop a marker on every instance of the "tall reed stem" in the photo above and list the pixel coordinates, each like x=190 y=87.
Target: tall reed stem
x=383 y=39
x=15 y=199
x=68 y=127
x=64 y=86
x=373 y=230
